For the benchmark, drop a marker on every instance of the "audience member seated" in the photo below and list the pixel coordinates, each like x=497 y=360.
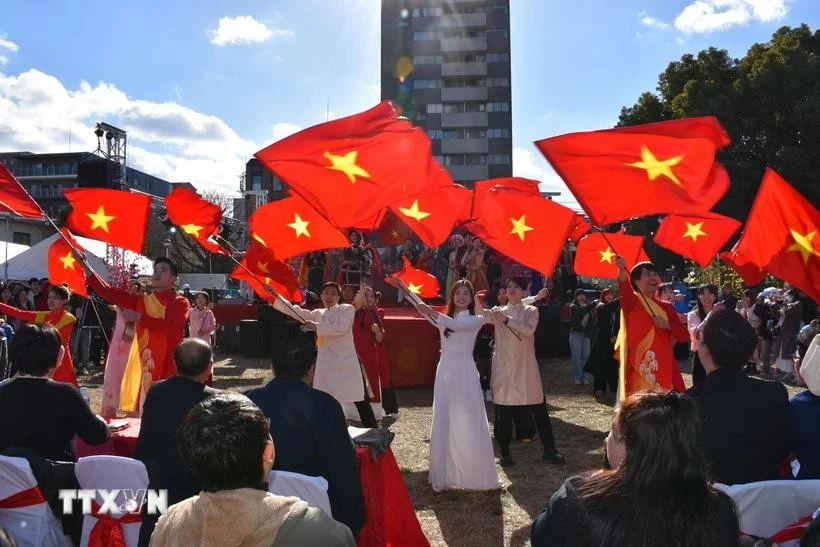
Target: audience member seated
x=37 y=412
x=225 y=441
x=165 y=405
x=310 y=432
x=747 y=423
x=656 y=492
x=806 y=406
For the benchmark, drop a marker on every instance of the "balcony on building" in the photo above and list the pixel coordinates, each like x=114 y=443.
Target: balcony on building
x=463 y=20
x=468 y=173
x=464 y=146
x=463 y=69
x=463 y=44
x=453 y=94
x=464 y=119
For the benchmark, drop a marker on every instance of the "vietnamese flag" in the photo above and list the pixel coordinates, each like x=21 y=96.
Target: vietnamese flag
x=513 y=218
x=114 y=216
x=782 y=235
x=580 y=228
x=417 y=281
x=596 y=252
x=196 y=217
x=750 y=273
x=63 y=267
x=433 y=213
x=353 y=167
x=268 y=271
x=393 y=231
x=14 y=198
x=664 y=167
x=290 y=227
x=696 y=237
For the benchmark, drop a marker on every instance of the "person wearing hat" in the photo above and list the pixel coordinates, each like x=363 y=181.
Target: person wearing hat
x=806 y=405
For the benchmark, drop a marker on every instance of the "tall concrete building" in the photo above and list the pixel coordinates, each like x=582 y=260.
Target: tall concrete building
x=447 y=62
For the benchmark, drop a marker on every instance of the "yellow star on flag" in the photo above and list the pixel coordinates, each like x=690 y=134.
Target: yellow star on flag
x=415 y=289
x=803 y=244
x=395 y=234
x=68 y=261
x=263 y=267
x=694 y=231
x=191 y=229
x=414 y=212
x=607 y=255
x=347 y=165
x=299 y=226
x=260 y=240
x=520 y=226
x=655 y=167
x=100 y=219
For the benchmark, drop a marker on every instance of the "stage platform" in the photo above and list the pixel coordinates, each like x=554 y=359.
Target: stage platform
x=412 y=347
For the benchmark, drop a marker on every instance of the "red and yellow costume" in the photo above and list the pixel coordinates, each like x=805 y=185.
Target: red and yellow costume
x=647 y=360
x=64 y=323
x=372 y=353
x=159 y=330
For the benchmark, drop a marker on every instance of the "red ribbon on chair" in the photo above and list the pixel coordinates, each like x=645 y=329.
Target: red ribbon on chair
x=107 y=531
x=792 y=531
x=32 y=496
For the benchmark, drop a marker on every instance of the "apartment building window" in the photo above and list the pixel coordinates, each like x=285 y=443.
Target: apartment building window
x=475 y=159
x=256 y=181
x=474 y=133
x=276 y=184
x=464 y=82
x=435 y=108
x=498 y=107
x=454 y=160
x=21 y=238
x=498 y=133
x=464 y=58
x=453 y=134
x=439 y=159
x=477 y=9
x=427 y=60
x=427 y=12
x=498 y=57
x=435 y=134
x=426 y=84
x=498 y=82
x=424 y=35
x=499 y=159
x=498 y=33
x=500 y=9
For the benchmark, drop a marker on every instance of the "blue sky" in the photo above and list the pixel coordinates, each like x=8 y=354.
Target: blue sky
x=197 y=100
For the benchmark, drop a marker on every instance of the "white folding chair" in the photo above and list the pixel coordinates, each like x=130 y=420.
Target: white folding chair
x=24 y=513
x=313 y=490
x=766 y=507
x=112 y=472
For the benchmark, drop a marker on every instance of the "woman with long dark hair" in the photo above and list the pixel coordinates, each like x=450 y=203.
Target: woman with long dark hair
x=602 y=363
x=707 y=297
x=657 y=492
x=461 y=449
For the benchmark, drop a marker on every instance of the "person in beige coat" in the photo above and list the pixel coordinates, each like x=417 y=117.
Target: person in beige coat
x=225 y=442
x=338 y=370
x=516 y=379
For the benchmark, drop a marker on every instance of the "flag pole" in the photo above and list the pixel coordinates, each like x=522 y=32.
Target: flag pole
x=603 y=234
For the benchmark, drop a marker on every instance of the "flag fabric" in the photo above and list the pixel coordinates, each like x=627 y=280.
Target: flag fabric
x=752 y=274
x=268 y=271
x=114 y=216
x=433 y=213
x=512 y=218
x=392 y=231
x=63 y=267
x=196 y=217
x=698 y=237
x=418 y=281
x=596 y=252
x=14 y=198
x=291 y=226
x=781 y=235
x=664 y=167
x=353 y=167
x=580 y=228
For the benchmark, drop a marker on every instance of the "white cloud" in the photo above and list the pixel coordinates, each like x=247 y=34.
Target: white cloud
x=167 y=140
x=3 y=59
x=5 y=43
x=244 y=30
x=652 y=22
x=705 y=16
x=284 y=129
x=529 y=165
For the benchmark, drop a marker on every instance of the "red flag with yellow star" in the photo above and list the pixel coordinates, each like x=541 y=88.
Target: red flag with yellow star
x=291 y=226
x=196 y=217
x=580 y=228
x=513 y=218
x=14 y=198
x=596 y=252
x=433 y=213
x=114 y=216
x=418 y=281
x=665 y=167
x=392 y=231
x=351 y=168
x=269 y=271
x=782 y=235
x=697 y=237
x=750 y=273
x=63 y=267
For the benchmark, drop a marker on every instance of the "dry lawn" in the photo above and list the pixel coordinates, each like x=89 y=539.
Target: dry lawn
x=460 y=518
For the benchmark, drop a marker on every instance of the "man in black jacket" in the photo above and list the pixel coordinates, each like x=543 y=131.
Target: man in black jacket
x=310 y=434
x=747 y=423
x=165 y=405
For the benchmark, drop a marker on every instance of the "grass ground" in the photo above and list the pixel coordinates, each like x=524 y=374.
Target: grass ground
x=460 y=518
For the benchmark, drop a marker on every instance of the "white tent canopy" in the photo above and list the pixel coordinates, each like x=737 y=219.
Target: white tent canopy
x=34 y=261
